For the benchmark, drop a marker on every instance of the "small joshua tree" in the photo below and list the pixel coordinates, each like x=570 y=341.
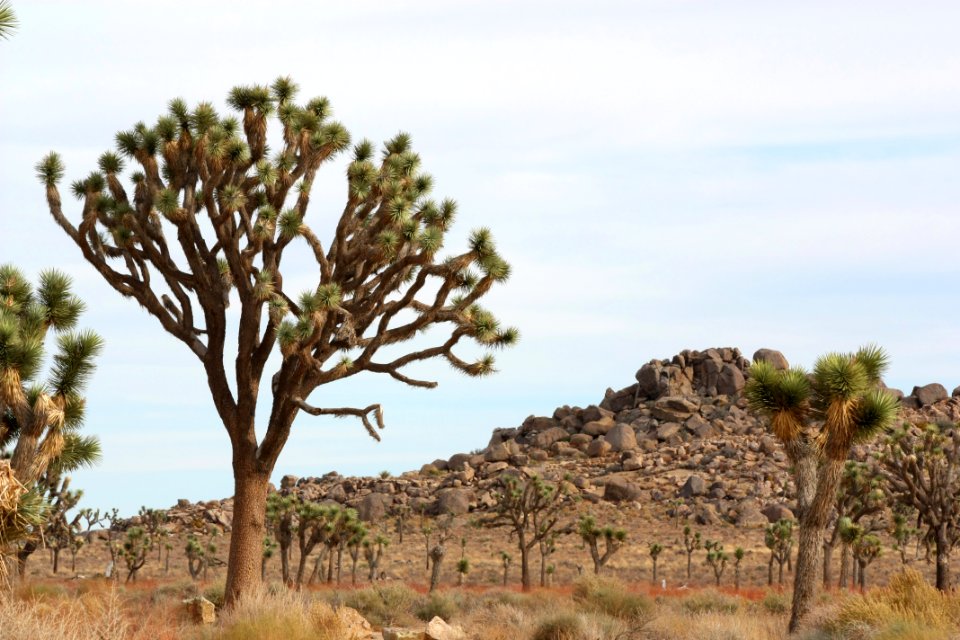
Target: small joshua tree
x=655 y=550
x=778 y=537
x=902 y=532
x=717 y=558
x=312 y=530
x=548 y=547
x=269 y=549
x=373 y=554
x=211 y=213
x=134 y=549
x=691 y=542
x=532 y=511
x=591 y=534
x=866 y=549
x=738 y=555
x=921 y=468
x=859 y=496
x=354 y=542
x=463 y=568
x=818 y=419
x=281 y=521
x=439 y=550
x=850 y=533
x=505 y=561
x=195 y=553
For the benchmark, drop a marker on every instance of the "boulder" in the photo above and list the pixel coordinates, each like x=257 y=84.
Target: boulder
x=374 y=507
x=352 y=625
x=457 y=461
x=649 y=384
x=426 y=470
x=337 y=494
x=454 y=501
x=619 y=489
x=580 y=440
x=438 y=629
x=777 y=512
x=393 y=633
x=749 y=515
x=200 y=610
x=497 y=453
x=673 y=409
x=694 y=486
x=599 y=427
x=667 y=429
x=288 y=482
x=594 y=412
x=930 y=394
x=775 y=358
x=599 y=448
x=956 y=392
x=548 y=437
x=730 y=382
x=622 y=438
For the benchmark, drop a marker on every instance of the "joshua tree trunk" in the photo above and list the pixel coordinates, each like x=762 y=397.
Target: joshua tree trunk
x=506 y=571
x=770 y=571
x=828 y=547
x=436 y=557
x=249 y=516
x=942 y=542
x=263 y=570
x=810 y=546
x=863 y=576
x=285 y=565
x=525 y=567
x=689 y=563
x=56 y=560
x=654 y=578
x=844 y=566
x=736 y=577
x=330 y=567
x=23 y=555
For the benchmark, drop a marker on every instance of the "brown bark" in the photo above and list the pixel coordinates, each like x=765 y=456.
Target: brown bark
x=844 y=567
x=249 y=526
x=943 y=559
x=810 y=546
x=827 y=564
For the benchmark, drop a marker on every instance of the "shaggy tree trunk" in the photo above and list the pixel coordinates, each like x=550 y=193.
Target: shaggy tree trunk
x=56 y=561
x=844 y=566
x=543 y=570
x=436 y=558
x=863 y=576
x=810 y=546
x=770 y=571
x=943 y=558
x=249 y=527
x=827 y=564
x=285 y=564
x=654 y=579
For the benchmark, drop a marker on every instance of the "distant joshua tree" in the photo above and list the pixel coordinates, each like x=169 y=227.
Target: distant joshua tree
x=655 y=550
x=439 y=550
x=691 y=542
x=738 y=555
x=818 y=419
x=206 y=222
x=373 y=554
x=505 y=561
x=859 y=496
x=591 y=534
x=532 y=511
x=866 y=549
x=921 y=468
x=778 y=537
x=269 y=549
x=717 y=558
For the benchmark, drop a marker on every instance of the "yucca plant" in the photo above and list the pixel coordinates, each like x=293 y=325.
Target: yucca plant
x=205 y=222
x=655 y=550
x=818 y=418
x=40 y=419
x=592 y=534
x=8 y=20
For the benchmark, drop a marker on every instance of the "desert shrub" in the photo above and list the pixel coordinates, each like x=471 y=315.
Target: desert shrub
x=436 y=604
x=612 y=598
x=775 y=603
x=96 y=616
x=383 y=606
x=673 y=625
x=564 y=626
x=908 y=607
x=37 y=591
x=710 y=601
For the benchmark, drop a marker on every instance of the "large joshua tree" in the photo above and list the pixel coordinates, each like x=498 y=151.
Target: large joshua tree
x=8 y=20
x=213 y=212
x=818 y=418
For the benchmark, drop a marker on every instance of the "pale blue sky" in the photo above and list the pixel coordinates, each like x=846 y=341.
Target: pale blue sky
x=661 y=174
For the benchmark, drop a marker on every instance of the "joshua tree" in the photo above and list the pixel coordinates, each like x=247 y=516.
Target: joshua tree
x=269 y=548
x=195 y=556
x=849 y=534
x=154 y=521
x=373 y=553
x=426 y=530
x=866 y=549
x=655 y=550
x=818 y=419
x=358 y=535
x=779 y=539
x=211 y=214
x=691 y=542
x=134 y=551
x=59 y=531
x=40 y=419
x=591 y=534
x=717 y=558
x=532 y=511
x=505 y=561
x=280 y=518
x=858 y=496
x=921 y=466
x=312 y=529
x=463 y=568
x=438 y=551
x=548 y=546
x=738 y=555
x=551 y=570
x=401 y=512
x=902 y=532
x=8 y=20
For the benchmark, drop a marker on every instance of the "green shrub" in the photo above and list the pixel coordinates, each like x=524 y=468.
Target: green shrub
x=436 y=604
x=710 y=601
x=564 y=626
x=383 y=606
x=775 y=603
x=216 y=594
x=612 y=598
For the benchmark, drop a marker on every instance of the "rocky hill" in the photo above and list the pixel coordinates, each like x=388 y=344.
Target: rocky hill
x=681 y=430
